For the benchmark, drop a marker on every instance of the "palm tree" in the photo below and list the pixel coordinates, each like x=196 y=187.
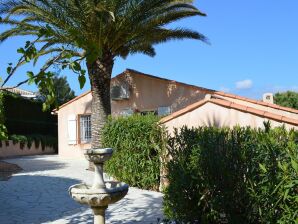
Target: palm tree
x=97 y=31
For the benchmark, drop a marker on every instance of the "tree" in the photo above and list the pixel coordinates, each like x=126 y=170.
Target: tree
x=62 y=90
x=287 y=99
x=95 y=32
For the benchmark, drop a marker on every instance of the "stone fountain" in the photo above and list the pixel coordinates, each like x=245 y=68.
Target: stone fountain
x=101 y=193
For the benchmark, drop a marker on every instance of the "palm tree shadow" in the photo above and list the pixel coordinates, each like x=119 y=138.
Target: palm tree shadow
x=39 y=198
x=127 y=211
x=37 y=163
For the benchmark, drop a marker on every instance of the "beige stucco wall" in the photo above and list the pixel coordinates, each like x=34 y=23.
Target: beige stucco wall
x=264 y=108
x=213 y=115
x=80 y=106
x=149 y=93
x=146 y=94
x=12 y=150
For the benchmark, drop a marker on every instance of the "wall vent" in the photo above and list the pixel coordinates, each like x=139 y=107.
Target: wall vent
x=268 y=98
x=119 y=93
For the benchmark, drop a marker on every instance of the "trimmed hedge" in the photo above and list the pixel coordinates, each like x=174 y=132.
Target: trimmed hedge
x=25 y=117
x=137 y=141
x=3 y=130
x=43 y=140
x=238 y=175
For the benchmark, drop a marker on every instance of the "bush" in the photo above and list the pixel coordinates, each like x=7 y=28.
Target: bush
x=43 y=140
x=25 y=116
x=237 y=175
x=137 y=141
x=3 y=130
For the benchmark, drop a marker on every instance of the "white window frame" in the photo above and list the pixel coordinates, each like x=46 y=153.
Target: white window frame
x=85 y=128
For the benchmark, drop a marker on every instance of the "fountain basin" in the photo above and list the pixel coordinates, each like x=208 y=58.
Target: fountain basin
x=98 y=155
x=87 y=195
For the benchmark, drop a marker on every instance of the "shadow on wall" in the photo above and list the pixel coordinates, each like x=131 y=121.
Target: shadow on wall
x=216 y=121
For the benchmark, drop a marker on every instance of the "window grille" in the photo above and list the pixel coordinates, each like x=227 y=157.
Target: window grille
x=85 y=129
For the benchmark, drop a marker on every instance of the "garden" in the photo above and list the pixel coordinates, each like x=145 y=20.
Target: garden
x=215 y=175
x=24 y=125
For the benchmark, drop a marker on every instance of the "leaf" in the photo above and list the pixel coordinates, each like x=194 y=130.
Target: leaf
x=21 y=50
x=8 y=70
x=76 y=66
x=27 y=44
x=263 y=168
x=294 y=165
x=82 y=81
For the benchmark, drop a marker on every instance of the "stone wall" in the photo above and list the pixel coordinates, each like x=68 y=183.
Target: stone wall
x=8 y=149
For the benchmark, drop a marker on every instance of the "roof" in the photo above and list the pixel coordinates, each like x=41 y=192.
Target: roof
x=19 y=91
x=231 y=105
x=274 y=106
x=134 y=72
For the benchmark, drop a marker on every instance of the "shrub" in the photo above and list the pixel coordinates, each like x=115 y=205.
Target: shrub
x=3 y=130
x=233 y=176
x=137 y=141
x=25 y=116
x=43 y=140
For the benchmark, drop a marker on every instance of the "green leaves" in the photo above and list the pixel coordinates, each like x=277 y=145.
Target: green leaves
x=82 y=80
x=138 y=144
x=241 y=174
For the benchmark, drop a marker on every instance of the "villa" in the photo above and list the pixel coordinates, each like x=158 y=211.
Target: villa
x=178 y=103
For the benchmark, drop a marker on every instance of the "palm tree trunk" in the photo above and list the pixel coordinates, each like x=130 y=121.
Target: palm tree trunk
x=100 y=72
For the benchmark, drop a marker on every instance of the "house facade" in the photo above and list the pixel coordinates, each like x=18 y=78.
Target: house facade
x=131 y=92
x=227 y=110
x=180 y=105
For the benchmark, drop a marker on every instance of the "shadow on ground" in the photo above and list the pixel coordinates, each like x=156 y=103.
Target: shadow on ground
x=36 y=163
x=7 y=170
x=35 y=199
x=126 y=211
x=38 y=199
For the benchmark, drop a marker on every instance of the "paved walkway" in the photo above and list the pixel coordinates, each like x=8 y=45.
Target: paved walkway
x=39 y=194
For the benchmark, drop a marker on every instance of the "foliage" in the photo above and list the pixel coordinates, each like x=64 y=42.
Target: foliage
x=137 y=141
x=63 y=92
x=287 y=99
x=70 y=32
x=3 y=130
x=25 y=117
x=43 y=140
x=238 y=175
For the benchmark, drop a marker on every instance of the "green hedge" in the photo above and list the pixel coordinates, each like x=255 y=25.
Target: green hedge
x=235 y=175
x=3 y=130
x=137 y=142
x=25 y=117
x=37 y=140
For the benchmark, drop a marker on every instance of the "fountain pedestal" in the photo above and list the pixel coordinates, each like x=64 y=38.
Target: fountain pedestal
x=101 y=193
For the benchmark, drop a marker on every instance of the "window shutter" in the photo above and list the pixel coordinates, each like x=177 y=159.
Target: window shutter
x=72 y=129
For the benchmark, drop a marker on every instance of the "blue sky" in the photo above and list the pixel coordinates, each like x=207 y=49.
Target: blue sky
x=254 y=49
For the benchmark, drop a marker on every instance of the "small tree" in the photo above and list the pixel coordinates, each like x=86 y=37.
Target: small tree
x=63 y=92
x=287 y=99
x=95 y=32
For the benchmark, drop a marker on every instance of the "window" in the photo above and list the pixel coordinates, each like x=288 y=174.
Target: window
x=163 y=111
x=85 y=128
x=127 y=112
x=154 y=112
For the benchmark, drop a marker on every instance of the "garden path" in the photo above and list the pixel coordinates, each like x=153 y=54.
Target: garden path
x=39 y=194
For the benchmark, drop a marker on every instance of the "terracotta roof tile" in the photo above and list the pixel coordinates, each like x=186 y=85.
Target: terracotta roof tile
x=239 y=107
x=233 y=96
x=255 y=111
x=231 y=105
x=273 y=116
